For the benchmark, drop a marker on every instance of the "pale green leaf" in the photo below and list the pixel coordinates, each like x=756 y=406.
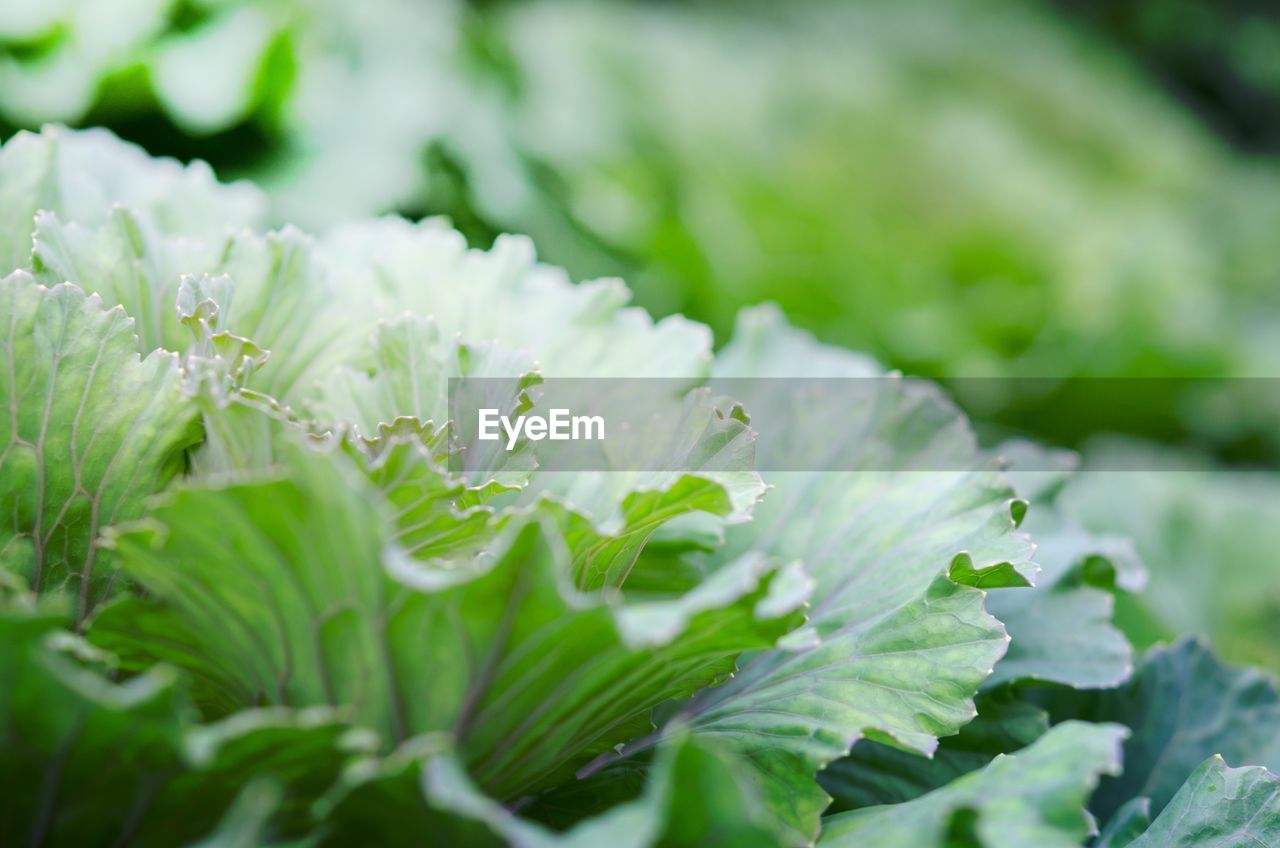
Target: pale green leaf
x=82 y=176
x=92 y=430
x=505 y=297
x=125 y=262
x=408 y=366
x=895 y=648
x=1218 y=807
x=1062 y=630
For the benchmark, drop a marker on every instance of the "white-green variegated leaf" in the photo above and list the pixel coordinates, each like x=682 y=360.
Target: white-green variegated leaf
x=405 y=373
x=124 y=260
x=92 y=430
x=1032 y=799
x=504 y=296
x=82 y=176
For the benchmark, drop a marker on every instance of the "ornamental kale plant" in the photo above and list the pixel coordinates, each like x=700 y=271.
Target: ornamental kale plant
x=247 y=598
x=964 y=188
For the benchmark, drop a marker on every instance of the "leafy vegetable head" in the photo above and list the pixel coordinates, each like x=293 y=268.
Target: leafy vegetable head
x=293 y=613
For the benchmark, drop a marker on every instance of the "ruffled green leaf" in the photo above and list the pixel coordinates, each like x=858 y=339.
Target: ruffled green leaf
x=409 y=368
x=895 y=648
x=87 y=761
x=126 y=262
x=290 y=591
x=505 y=297
x=875 y=773
x=701 y=461
x=92 y=431
x=1032 y=799
x=429 y=510
x=195 y=291
x=82 y=176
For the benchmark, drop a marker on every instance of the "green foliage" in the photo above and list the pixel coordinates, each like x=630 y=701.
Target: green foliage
x=1184 y=706
x=960 y=188
x=1033 y=797
x=1211 y=530
x=91 y=431
x=247 y=601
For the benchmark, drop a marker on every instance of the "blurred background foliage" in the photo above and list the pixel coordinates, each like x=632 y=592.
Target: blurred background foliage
x=1047 y=188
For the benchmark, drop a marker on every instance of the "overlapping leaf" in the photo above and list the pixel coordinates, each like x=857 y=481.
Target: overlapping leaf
x=1035 y=797
x=422 y=794
x=896 y=646
x=1184 y=706
x=875 y=773
x=1062 y=630
x=196 y=294
x=91 y=431
x=1218 y=805
x=87 y=761
x=290 y=592
x=699 y=459
x=82 y=176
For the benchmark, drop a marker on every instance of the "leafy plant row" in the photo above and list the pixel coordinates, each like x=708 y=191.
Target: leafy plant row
x=991 y=162
x=245 y=600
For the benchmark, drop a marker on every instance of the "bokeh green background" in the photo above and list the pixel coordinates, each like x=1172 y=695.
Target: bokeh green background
x=963 y=189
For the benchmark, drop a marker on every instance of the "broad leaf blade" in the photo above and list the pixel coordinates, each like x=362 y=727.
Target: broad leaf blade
x=92 y=431
x=1032 y=799
x=1218 y=806
x=81 y=176
x=874 y=773
x=87 y=761
x=1183 y=706
x=289 y=591
x=896 y=648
